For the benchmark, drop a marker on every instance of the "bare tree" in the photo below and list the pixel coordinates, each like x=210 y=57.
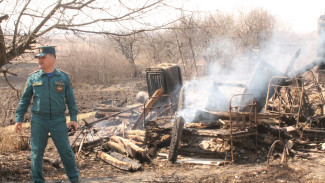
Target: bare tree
x=214 y=29
x=3 y=58
x=29 y=21
x=186 y=33
x=160 y=47
x=254 y=29
x=128 y=46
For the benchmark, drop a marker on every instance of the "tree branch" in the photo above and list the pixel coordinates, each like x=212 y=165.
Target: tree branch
x=16 y=25
x=31 y=38
x=114 y=19
x=81 y=5
x=11 y=86
x=4 y=17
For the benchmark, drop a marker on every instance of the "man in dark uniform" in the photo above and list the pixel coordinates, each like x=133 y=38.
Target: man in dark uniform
x=51 y=90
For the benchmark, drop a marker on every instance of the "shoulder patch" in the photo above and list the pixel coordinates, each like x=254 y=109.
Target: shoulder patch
x=34 y=72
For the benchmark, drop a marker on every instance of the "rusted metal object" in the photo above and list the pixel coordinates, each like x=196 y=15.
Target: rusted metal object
x=166 y=76
x=148 y=104
x=163 y=110
x=286 y=99
x=252 y=111
x=243 y=114
x=271 y=159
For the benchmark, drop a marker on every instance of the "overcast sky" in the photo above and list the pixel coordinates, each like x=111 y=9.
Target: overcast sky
x=300 y=15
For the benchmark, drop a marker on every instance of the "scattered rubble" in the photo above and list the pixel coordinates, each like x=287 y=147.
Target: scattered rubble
x=291 y=120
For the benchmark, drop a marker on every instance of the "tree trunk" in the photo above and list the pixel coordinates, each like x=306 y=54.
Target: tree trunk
x=133 y=69
x=3 y=57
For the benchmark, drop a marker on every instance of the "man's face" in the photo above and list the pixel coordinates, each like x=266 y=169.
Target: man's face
x=46 y=63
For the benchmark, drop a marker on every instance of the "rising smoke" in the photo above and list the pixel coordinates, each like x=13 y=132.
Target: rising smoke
x=252 y=70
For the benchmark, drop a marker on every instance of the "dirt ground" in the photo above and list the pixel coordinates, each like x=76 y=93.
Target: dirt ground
x=15 y=166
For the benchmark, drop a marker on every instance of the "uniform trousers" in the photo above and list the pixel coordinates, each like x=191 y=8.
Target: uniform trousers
x=40 y=127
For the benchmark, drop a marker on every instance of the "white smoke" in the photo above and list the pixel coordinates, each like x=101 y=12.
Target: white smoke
x=201 y=93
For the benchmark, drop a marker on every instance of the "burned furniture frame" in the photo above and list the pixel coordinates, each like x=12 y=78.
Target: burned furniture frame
x=162 y=111
x=158 y=115
x=291 y=97
x=294 y=97
x=167 y=77
x=240 y=123
x=240 y=116
x=285 y=96
x=316 y=124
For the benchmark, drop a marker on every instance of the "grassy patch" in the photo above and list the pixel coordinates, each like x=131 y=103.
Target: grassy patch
x=10 y=141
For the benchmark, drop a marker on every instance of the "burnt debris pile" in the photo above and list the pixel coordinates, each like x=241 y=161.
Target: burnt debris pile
x=236 y=122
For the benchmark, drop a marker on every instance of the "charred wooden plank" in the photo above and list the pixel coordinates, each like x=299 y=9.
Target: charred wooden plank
x=129 y=148
x=314 y=133
x=109 y=108
x=222 y=133
x=101 y=114
x=116 y=146
x=118 y=161
x=150 y=103
x=213 y=124
x=136 y=132
x=134 y=164
x=54 y=162
x=136 y=138
x=226 y=115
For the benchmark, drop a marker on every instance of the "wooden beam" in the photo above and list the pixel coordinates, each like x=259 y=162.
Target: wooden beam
x=119 y=161
x=129 y=148
x=149 y=104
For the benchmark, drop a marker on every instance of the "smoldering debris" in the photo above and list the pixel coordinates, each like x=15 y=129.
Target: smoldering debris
x=249 y=126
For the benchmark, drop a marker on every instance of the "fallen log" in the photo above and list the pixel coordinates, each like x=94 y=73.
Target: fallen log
x=221 y=133
x=136 y=138
x=204 y=124
x=116 y=146
x=100 y=114
x=127 y=147
x=274 y=130
x=90 y=144
x=136 y=132
x=54 y=162
x=213 y=115
x=137 y=143
x=136 y=135
x=164 y=140
x=119 y=161
x=125 y=115
x=149 y=104
x=109 y=108
x=314 y=133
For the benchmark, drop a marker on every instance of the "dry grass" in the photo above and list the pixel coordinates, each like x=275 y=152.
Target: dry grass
x=8 y=105
x=10 y=142
x=91 y=62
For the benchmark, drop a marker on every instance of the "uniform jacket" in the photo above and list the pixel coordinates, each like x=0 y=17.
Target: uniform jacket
x=50 y=96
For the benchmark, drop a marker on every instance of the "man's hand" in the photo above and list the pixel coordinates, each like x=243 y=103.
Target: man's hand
x=74 y=125
x=18 y=127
